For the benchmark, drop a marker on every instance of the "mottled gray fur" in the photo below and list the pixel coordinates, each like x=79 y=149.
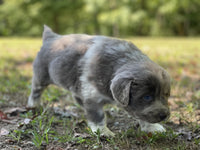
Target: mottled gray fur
x=100 y=70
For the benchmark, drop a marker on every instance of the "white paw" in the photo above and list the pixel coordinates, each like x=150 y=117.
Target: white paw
x=149 y=127
x=104 y=131
x=33 y=103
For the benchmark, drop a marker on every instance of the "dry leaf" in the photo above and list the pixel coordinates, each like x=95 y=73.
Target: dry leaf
x=15 y=111
x=3 y=115
x=9 y=121
x=83 y=135
x=27 y=121
x=4 y=132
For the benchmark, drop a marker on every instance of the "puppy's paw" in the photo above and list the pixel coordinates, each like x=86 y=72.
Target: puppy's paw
x=104 y=130
x=32 y=103
x=153 y=128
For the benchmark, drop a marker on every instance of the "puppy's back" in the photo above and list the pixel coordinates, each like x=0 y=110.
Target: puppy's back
x=59 y=58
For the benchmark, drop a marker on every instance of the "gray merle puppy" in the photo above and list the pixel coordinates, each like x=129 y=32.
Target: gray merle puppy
x=99 y=70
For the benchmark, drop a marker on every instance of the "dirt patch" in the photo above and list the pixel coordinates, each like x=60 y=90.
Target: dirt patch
x=79 y=136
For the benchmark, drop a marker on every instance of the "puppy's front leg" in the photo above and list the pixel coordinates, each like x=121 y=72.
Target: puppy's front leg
x=96 y=117
x=151 y=127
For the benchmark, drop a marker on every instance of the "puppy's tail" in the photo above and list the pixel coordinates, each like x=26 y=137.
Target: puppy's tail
x=48 y=33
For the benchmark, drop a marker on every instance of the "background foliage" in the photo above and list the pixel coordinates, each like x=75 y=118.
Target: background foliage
x=108 y=17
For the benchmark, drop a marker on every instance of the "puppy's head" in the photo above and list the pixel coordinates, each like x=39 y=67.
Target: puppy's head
x=143 y=90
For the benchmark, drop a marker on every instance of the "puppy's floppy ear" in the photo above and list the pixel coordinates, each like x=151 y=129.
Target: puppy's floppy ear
x=120 y=88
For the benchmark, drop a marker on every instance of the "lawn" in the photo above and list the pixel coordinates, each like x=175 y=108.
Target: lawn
x=60 y=124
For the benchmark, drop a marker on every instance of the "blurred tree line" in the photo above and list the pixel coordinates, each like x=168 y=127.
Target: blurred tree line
x=108 y=17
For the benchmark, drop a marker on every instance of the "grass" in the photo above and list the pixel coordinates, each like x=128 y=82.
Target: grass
x=179 y=56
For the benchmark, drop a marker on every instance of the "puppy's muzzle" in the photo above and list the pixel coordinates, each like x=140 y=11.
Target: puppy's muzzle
x=155 y=115
x=163 y=116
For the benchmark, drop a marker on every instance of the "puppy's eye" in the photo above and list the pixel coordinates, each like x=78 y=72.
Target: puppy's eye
x=148 y=98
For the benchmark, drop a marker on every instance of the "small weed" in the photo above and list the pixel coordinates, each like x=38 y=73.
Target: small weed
x=98 y=136
x=197 y=141
x=53 y=93
x=2 y=101
x=66 y=137
x=39 y=129
x=16 y=135
x=37 y=139
x=29 y=114
x=113 y=143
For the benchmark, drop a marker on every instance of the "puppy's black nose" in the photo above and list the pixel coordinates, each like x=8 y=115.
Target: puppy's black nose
x=163 y=116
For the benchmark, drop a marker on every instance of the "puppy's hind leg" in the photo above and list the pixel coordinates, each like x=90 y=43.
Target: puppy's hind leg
x=78 y=100
x=36 y=91
x=96 y=118
x=40 y=81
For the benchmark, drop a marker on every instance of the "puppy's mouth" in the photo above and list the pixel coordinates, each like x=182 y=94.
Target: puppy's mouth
x=151 y=117
x=155 y=119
